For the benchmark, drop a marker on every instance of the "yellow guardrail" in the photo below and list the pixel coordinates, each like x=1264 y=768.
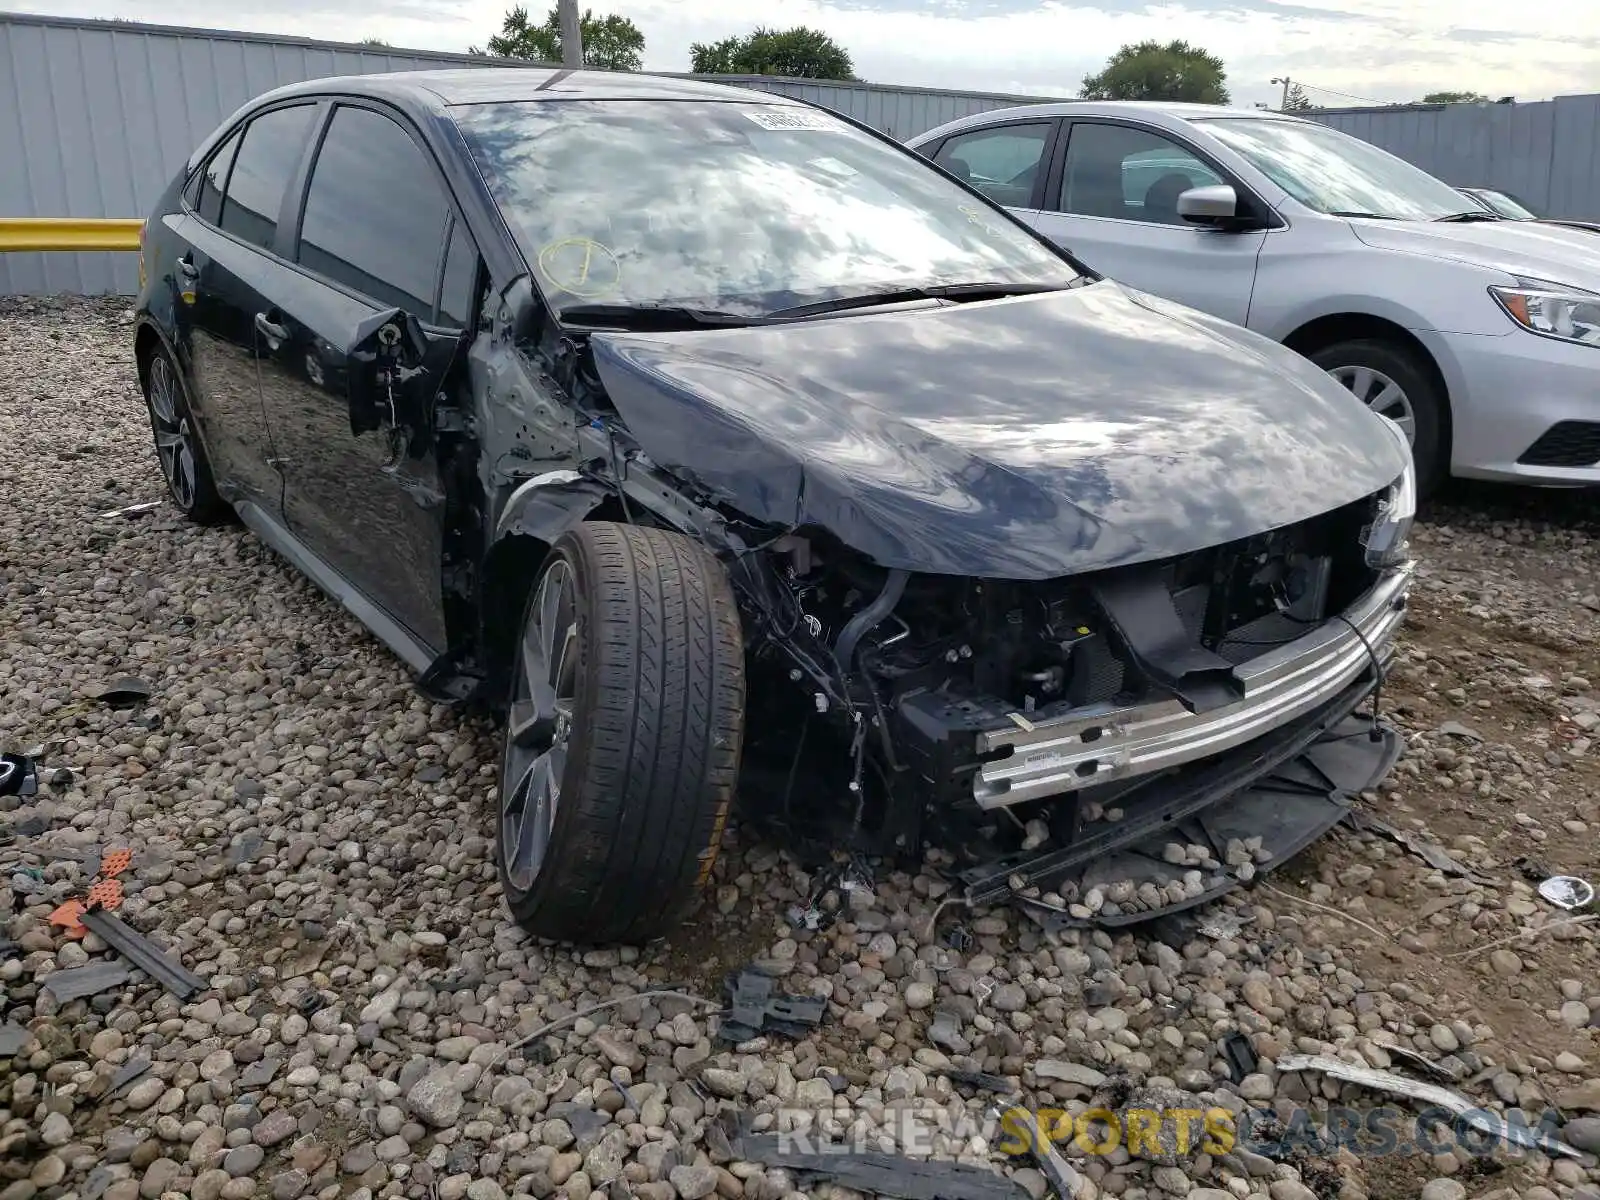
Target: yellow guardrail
x=69 y=233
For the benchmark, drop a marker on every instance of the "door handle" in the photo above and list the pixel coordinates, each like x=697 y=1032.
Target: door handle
x=187 y=269
x=268 y=329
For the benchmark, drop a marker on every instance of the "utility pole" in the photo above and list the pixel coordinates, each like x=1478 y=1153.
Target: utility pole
x=1286 y=81
x=572 y=34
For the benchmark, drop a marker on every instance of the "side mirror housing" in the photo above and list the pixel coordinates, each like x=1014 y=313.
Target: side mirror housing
x=1215 y=205
x=385 y=352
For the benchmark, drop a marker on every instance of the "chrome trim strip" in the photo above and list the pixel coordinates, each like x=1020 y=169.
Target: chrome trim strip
x=1103 y=744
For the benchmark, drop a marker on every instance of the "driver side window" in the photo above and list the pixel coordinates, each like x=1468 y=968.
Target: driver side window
x=1129 y=174
x=1001 y=163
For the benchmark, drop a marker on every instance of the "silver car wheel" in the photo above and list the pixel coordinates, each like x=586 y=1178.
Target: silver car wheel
x=539 y=725
x=1382 y=395
x=174 y=438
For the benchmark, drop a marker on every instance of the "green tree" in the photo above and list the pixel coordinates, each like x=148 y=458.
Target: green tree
x=1455 y=98
x=1296 y=100
x=1152 y=70
x=610 y=43
x=799 y=53
x=373 y=42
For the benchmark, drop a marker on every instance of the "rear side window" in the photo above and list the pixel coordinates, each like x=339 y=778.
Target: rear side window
x=262 y=168
x=213 y=180
x=1001 y=163
x=374 y=215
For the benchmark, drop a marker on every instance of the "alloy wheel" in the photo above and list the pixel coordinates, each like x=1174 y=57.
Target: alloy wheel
x=539 y=725
x=174 y=438
x=1382 y=395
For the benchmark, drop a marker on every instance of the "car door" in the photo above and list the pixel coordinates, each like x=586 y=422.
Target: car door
x=375 y=232
x=225 y=229
x=1113 y=203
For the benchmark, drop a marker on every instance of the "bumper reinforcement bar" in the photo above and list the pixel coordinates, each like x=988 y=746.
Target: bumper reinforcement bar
x=1088 y=747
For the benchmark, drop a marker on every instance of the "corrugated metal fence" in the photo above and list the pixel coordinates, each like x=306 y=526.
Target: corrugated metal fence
x=1544 y=151
x=95 y=116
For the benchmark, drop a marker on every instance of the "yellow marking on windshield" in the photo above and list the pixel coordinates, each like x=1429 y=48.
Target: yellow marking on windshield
x=581 y=266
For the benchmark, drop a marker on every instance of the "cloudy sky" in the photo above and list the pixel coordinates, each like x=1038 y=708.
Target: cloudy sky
x=1368 y=50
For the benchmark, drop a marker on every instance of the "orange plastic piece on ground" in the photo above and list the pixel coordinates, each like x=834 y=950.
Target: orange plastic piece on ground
x=106 y=894
x=115 y=862
x=67 y=916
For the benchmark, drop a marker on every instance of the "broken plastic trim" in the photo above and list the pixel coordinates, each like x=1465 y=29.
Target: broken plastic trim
x=134 y=947
x=1475 y=1115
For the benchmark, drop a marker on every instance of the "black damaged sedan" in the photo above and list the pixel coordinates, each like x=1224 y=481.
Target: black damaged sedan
x=727 y=447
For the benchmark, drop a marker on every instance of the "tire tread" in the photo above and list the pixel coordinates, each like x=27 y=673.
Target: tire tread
x=647 y=793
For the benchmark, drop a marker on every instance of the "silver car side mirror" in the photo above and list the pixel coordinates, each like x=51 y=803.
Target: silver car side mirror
x=1208 y=205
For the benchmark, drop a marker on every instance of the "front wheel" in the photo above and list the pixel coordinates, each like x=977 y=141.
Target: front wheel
x=622 y=737
x=1391 y=381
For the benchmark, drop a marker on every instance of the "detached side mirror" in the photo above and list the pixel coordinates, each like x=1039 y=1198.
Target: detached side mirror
x=1216 y=204
x=385 y=352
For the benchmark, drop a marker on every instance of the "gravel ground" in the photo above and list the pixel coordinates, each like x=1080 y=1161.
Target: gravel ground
x=309 y=836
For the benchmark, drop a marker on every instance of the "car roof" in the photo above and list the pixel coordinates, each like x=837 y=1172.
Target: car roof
x=489 y=85
x=1170 y=115
x=424 y=93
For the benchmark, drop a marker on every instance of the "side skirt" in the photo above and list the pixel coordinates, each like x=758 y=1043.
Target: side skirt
x=413 y=652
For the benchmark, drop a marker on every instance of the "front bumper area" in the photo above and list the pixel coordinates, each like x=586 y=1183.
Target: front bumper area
x=1090 y=747
x=1507 y=392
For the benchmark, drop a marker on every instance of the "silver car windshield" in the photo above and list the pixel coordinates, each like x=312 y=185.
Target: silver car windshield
x=1333 y=172
x=740 y=207
x=1507 y=206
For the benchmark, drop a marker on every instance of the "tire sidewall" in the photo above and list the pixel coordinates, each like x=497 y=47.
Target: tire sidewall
x=568 y=549
x=205 y=496
x=1427 y=404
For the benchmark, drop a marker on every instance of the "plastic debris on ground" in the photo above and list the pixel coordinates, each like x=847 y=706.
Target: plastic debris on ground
x=126 y=691
x=1466 y=1110
x=127 y=1073
x=756 y=1008
x=998 y=1084
x=77 y=982
x=142 y=953
x=882 y=1174
x=1063 y=1177
x=1567 y=891
x=133 y=510
x=1240 y=1056
x=1428 y=851
x=18 y=775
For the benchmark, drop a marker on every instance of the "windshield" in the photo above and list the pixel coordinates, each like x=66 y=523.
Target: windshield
x=748 y=208
x=1332 y=172
x=1506 y=205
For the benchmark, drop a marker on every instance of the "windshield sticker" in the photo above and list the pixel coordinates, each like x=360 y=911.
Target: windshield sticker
x=581 y=266
x=797 y=118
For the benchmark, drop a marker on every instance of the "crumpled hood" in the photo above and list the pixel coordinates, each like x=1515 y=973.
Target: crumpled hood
x=1532 y=249
x=1024 y=438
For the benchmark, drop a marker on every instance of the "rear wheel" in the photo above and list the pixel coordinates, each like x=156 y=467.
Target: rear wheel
x=182 y=457
x=1391 y=381
x=623 y=735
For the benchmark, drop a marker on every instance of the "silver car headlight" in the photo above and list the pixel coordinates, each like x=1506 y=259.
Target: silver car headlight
x=1552 y=310
x=1387 y=540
